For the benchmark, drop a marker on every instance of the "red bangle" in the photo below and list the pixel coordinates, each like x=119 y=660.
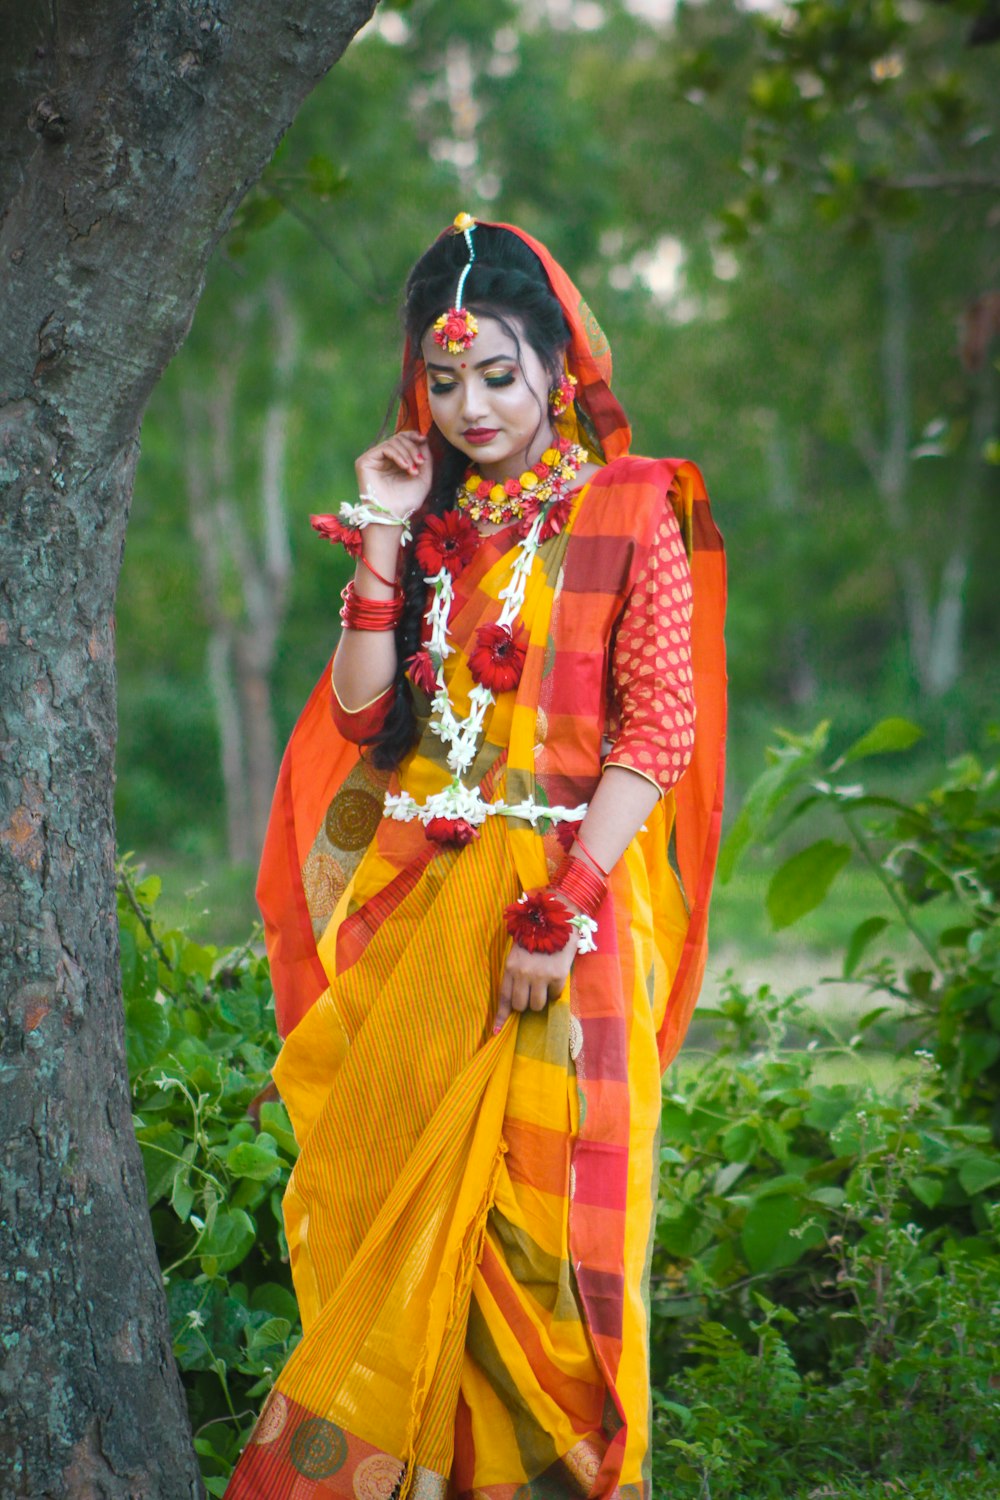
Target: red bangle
x=370 y=614
x=390 y=583
x=581 y=885
x=595 y=862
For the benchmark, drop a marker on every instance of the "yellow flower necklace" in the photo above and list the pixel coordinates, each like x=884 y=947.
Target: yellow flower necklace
x=515 y=499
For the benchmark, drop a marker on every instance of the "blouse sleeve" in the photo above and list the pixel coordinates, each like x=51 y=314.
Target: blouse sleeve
x=357 y=724
x=651 y=665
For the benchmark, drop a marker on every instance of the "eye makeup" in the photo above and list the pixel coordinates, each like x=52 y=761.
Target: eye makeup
x=497 y=380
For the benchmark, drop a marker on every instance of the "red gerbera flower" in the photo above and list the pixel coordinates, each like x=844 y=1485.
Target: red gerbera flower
x=422 y=672
x=498 y=660
x=566 y=834
x=540 y=922
x=556 y=518
x=447 y=541
x=332 y=529
x=451 y=831
x=528 y=514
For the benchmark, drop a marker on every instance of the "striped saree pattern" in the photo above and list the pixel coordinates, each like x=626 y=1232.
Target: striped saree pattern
x=470 y=1218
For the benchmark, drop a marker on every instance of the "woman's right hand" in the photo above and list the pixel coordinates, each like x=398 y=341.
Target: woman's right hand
x=397 y=472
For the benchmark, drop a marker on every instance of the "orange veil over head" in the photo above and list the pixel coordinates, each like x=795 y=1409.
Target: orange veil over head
x=317 y=759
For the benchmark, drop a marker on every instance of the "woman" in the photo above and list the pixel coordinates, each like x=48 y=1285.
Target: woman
x=482 y=957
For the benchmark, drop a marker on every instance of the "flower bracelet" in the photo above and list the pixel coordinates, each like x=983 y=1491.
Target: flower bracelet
x=541 y=921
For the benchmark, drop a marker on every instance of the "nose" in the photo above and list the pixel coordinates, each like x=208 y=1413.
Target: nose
x=473 y=405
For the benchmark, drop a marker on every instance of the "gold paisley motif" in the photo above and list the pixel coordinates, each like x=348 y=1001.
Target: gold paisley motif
x=323 y=880
x=595 y=333
x=375 y=1478
x=583 y=1462
x=352 y=818
x=272 y=1419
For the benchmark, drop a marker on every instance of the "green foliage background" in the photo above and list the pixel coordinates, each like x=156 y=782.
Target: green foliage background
x=723 y=187
x=826 y=1274
x=731 y=189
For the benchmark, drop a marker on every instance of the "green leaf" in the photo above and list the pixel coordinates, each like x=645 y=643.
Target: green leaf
x=229 y=1242
x=767 y=1240
x=159 y=1159
x=147 y=1031
x=864 y=934
x=182 y=1193
x=978 y=1172
x=256 y=1159
x=274 y=1120
x=887 y=737
x=927 y=1189
x=148 y=891
x=802 y=882
x=762 y=801
x=271 y=1297
x=740 y=1142
x=244 y=1010
x=774 y=1139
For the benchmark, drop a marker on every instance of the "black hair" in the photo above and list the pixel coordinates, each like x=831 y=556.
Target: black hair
x=507 y=280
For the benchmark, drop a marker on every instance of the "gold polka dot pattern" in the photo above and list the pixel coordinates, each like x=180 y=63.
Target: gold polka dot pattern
x=651 y=664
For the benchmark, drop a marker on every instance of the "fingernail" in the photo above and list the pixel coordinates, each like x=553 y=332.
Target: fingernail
x=497 y=1028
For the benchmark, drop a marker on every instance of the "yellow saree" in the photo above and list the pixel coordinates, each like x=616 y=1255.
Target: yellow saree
x=470 y=1218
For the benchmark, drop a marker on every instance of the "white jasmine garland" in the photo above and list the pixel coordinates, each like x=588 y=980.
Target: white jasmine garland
x=462 y=737
x=585 y=927
x=460 y=801
x=370 y=512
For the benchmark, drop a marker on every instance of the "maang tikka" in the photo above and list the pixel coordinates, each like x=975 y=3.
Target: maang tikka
x=455 y=330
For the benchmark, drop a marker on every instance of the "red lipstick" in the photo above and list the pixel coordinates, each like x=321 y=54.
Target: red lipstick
x=478 y=435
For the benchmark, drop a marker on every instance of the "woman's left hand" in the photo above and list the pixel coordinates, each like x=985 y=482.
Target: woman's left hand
x=531 y=980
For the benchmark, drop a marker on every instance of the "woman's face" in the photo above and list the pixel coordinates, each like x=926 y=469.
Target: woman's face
x=487 y=403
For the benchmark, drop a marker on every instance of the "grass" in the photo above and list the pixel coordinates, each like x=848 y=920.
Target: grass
x=962 y=1484
x=211 y=899
x=214 y=901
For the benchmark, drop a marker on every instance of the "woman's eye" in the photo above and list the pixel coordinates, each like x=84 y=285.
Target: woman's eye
x=507 y=379
x=441 y=387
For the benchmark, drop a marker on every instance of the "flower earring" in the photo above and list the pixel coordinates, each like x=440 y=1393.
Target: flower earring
x=561 y=396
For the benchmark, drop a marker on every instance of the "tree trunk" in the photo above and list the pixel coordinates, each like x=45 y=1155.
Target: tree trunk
x=130 y=133
x=934 y=630
x=244 y=587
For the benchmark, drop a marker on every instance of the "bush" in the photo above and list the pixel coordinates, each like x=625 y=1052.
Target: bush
x=826 y=1276
x=815 y=1308
x=201 y=1041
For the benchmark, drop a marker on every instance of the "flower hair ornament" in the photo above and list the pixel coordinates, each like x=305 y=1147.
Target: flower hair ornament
x=562 y=395
x=455 y=330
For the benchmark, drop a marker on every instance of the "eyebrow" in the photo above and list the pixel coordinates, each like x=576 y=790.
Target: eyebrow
x=497 y=359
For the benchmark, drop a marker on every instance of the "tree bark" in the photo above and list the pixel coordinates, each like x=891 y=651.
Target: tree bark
x=130 y=132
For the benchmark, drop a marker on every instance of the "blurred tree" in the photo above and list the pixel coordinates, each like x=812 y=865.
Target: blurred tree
x=749 y=339
x=877 y=117
x=129 y=135
x=244 y=589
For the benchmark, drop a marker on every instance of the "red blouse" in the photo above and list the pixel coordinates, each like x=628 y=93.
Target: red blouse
x=650 y=721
